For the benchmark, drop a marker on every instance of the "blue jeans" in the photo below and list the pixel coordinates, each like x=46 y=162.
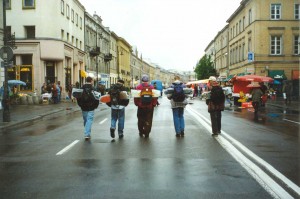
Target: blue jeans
x=178 y=119
x=88 y=117
x=118 y=114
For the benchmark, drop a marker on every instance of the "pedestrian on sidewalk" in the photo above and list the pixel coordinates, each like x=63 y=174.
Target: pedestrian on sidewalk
x=145 y=110
x=215 y=105
x=120 y=101
x=288 y=91
x=178 y=102
x=88 y=103
x=256 y=94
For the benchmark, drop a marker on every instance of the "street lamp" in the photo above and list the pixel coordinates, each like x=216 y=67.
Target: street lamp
x=5 y=102
x=118 y=59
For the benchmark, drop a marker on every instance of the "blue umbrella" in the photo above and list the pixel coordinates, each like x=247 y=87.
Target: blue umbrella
x=16 y=82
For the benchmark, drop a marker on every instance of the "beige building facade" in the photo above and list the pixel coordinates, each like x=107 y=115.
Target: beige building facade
x=262 y=38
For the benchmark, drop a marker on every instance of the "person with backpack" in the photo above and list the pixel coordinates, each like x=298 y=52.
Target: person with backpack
x=178 y=102
x=215 y=104
x=117 y=104
x=88 y=103
x=145 y=104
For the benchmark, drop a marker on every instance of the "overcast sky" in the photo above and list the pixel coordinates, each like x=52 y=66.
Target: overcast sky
x=171 y=33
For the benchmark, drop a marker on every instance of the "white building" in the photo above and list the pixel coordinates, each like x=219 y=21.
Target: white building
x=50 y=42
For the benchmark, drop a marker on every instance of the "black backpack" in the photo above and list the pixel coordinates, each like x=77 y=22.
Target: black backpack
x=115 y=94
x=87 y=96
x=217 y=95
x=178 y=94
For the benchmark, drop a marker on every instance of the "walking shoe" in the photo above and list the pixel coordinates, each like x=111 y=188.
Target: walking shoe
x=112 y=133
x=121 y=136
x=182 y=134
x=177 y=135
x=215 y=134
x=87 y=138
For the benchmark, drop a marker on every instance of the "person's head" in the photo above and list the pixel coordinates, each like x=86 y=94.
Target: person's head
x=120 y=81
x=176 y=78
x=213 y=81
x=89 y=79
x=145 y=78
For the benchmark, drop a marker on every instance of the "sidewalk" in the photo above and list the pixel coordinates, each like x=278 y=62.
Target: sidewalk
x=21 y=114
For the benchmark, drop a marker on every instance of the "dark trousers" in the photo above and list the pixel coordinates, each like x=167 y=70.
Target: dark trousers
x=215 y=118
x=145 y=120
x=256 y=106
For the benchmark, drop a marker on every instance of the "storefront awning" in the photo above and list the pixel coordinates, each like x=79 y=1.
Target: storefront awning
x=229 y=77
x=83 y=73
x=277 y=74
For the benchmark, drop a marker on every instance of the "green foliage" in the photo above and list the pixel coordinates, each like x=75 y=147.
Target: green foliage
x=205 y=68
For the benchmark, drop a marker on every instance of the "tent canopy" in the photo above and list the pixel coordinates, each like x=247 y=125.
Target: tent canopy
x=202 y=81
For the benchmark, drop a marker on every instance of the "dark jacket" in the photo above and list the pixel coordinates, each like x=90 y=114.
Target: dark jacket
x=216 y=102
x=90 y=105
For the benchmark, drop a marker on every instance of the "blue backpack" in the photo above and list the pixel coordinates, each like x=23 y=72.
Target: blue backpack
x=178 y=94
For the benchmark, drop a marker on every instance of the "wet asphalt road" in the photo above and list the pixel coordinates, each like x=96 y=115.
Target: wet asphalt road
x=163 y=166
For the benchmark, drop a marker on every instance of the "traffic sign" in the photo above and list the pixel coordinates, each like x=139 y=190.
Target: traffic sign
x=6 y=53
x=250 y=56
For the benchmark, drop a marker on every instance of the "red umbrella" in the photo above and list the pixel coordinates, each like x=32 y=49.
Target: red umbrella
x=252 y=78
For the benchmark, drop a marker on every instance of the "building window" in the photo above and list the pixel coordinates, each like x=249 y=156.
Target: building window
x=28 y=4
x=275 y=11
x=72 y=15
x=68 y=37
x=7 y=4
x=243 y=23
x=297 y=10
x=30 y=32
x=250 y=16
x=297 y=45
x=76 y=19
x=249 y=45
x=62 y=34
x=68 y=12
x=62 y=7
x=243 y=52
x=276 y=45
x=80 y=23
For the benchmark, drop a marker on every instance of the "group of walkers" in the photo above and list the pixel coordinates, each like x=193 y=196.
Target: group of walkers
x=144 y=110
x=215 y=103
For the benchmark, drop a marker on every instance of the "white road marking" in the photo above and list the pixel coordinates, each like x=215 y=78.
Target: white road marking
x=67 y=148
x=101 y=122
x=258 y=174
x=291 y=121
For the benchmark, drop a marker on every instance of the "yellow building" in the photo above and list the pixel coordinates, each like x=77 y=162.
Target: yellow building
x=264 y=38
x=124 y=50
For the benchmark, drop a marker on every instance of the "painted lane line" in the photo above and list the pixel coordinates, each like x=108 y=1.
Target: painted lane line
x=101 y=122
x=291 y=121
x=67 y=148
x=258 y=174
x=259 y=160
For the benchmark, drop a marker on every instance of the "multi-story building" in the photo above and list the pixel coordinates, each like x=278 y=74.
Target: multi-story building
x=263 y=39
x=50 y=42
x=124 y=50
x=97 y=46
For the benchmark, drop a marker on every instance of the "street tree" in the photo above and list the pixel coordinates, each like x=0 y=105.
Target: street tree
x=205 y=68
